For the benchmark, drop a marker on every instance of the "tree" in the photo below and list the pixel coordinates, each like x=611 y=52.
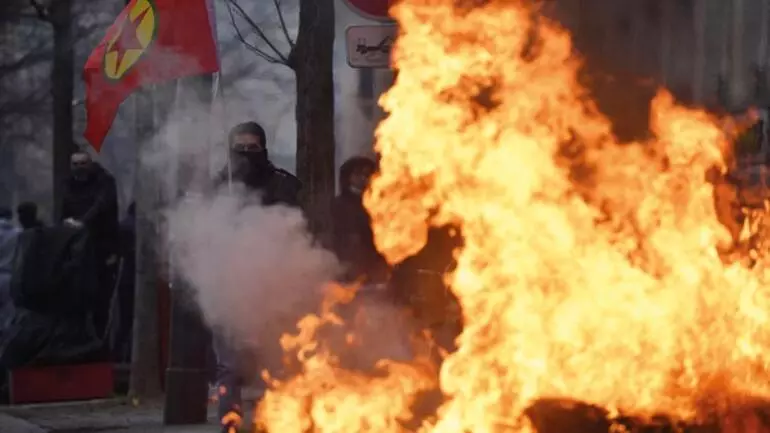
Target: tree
x=32 y=80
x=310 y=57
x=144 y=380
x=21 y=58
x=59 y=14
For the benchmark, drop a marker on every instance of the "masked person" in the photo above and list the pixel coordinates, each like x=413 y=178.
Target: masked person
x=353 y=240
x=252 y=168
x=90 y=202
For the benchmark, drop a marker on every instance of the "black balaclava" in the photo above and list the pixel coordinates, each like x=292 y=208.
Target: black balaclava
x=82 y=171
x=251 y=164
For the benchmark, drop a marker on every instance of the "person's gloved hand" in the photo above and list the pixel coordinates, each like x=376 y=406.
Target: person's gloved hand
x=71 y=222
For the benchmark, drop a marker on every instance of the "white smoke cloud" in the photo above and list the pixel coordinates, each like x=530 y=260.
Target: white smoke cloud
x=253 y=270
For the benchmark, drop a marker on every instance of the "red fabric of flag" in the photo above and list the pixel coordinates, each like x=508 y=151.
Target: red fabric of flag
x=151 y=41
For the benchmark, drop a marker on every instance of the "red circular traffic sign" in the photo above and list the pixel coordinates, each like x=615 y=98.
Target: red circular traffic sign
x=372 y=9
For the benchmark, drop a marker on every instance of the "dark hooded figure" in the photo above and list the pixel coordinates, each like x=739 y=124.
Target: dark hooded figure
x=26 y=213
x=90 y=201
x=251 y=167
x=353 y=240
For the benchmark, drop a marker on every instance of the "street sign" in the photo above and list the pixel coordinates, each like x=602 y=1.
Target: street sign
x=373 y=9
x=370 y=46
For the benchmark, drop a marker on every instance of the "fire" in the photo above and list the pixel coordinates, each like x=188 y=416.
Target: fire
x=314 y=399
x=590 y=269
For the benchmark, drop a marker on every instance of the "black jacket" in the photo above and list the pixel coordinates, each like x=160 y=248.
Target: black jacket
x=277 y=185
x=94 y=202
x=353 y=237
x=52 y=271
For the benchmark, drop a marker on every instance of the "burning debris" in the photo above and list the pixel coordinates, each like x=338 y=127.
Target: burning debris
x=589 y=276
x=327 y=369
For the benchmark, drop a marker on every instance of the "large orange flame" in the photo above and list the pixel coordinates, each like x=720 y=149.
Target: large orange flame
x=590 y=268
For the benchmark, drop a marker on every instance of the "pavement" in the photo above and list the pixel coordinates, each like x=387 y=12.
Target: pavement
x=117 y=415
x=9 y=424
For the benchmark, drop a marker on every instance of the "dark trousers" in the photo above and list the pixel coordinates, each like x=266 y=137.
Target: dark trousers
x=229 y=380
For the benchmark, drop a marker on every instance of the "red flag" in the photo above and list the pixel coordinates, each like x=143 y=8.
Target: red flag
x=151 y=41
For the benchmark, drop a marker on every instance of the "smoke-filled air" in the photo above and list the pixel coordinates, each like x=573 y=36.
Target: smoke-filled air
x=564 y=230
x=253 y=270
x=590 y=271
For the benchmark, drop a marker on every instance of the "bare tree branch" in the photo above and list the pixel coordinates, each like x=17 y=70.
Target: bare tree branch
x=33 y=56
x=28 y=16
x=28 y=106
x=260 y=53
x=42 y=11
x=285 y=30
x=283 y=58
x=40 y=53
x=13 y=10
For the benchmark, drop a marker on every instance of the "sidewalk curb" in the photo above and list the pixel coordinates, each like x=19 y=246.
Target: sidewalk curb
x=10 y=424
x=89 y=405
x=107 y=415
x=93 y=415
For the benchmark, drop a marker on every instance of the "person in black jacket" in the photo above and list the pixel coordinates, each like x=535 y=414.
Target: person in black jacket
x=90 y=201
x=252 y=168
x=353 y=240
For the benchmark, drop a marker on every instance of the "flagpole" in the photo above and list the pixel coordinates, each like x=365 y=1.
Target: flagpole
x=218 y=92
x=219 y=95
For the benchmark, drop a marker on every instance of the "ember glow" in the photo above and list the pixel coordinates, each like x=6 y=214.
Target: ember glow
x=590 y=269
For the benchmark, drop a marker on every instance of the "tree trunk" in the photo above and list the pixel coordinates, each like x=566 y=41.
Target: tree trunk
x=62 y=89
x=666 y=22
x=153 y=105
x=311 y=60
x=723 y=88
x=145 y=357
x=7 y=157
x=187 y=374
x=763 y=34
x=699 y=63
x=737 y=75
x=7 y=174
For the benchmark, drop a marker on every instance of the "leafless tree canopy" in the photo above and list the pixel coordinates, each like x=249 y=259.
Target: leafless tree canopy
x=264 y=47
x=310 y=56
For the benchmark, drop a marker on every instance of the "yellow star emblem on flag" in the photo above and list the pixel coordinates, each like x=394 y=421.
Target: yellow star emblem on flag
x=135 y=34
